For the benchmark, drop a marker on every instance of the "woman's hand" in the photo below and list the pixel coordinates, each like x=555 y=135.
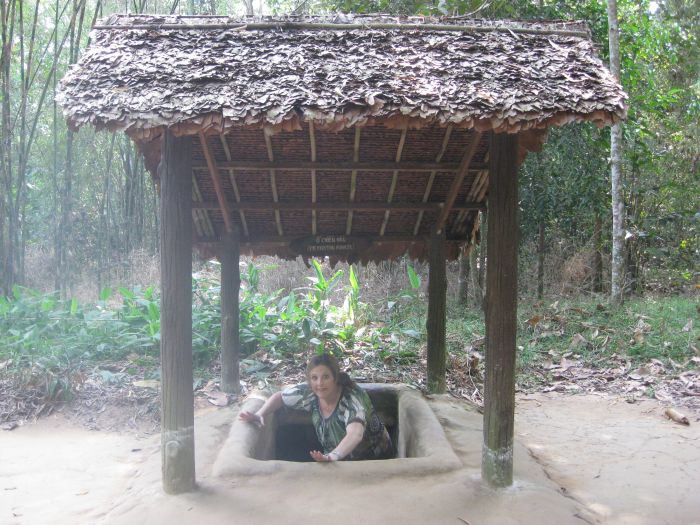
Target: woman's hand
x=323 y=458
x=251 y=417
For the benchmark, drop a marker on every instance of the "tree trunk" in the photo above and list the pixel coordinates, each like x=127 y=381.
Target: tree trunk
x=28 y=65
x=632 y=244
x=477 y=295
x=540 y=259
x=249 y=10
x=463 y=279
x=618 y=205
x=64 y=228
x=501 y=311
x=597 y=255
x=103 y=243
x=7 y=19
x=437 y=289
x=482 y=253
x=177 y=432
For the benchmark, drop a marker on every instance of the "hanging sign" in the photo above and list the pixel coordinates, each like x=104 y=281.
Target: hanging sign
x=321 y=245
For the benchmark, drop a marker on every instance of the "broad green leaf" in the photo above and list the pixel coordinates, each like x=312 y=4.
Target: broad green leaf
x=126 y=293
x=353 y=279
x=413 y=277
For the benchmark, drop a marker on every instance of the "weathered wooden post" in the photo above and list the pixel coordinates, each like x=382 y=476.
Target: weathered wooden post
x=501 y=311
x=435 y=324
x=230 y=313
x=177 y=426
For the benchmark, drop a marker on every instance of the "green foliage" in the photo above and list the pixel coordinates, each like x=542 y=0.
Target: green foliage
x=46 y=340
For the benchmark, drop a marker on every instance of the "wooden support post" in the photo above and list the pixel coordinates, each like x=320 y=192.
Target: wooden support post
x=230 y=313
x=437 y=292
x=177 y=420
x=501 y=311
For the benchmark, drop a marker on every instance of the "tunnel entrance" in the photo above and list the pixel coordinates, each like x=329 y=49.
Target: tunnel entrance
x=295 y=435
x=283 y=444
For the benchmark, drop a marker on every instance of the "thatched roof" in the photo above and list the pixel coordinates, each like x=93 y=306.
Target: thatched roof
x=354 y=137
x=143 y=72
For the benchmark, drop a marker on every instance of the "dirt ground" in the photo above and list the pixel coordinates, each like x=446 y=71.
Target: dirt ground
x=578 y=459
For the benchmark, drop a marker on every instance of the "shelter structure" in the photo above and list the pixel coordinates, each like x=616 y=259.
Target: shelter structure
x=360 y=138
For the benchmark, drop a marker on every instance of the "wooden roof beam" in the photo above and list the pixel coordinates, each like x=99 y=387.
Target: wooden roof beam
x=202 y=222
x=338 y=205
x=234 y=183
x=457 y=182
x=474 y=191
x=216 y=180
x=312 y=143
x=431 y=178
x=477 y=193
x=353 y=179
x=394 y=180
x=273 y=182
x=286 y=239
x=291 y=165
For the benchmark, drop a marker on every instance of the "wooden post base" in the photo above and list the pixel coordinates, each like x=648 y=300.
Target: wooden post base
x=497 y=466
x=178 y=463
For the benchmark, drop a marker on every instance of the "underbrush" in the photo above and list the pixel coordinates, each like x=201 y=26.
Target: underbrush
x=54 y=345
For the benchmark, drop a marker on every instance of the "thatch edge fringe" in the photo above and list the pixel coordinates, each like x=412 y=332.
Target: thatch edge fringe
x=216 y=123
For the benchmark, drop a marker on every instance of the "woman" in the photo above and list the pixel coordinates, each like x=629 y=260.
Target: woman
x=346 y=423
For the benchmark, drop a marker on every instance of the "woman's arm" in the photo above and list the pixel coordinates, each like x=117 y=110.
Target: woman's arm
x=273 y=403
x=353 y=436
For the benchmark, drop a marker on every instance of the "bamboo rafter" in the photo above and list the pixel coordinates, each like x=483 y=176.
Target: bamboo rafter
x=202 y=221
x=234 y=183
x=273 y=182
x=353 y=179
x=457 y=181
x=394 y=179
x=312 y=145
x=216 y=180
x=431 y=178
x=477 y=192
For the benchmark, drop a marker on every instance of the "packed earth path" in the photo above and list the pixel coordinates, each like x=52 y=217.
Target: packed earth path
x=592 y=458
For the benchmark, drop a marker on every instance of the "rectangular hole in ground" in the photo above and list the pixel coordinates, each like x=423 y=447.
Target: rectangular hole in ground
x=295 y=436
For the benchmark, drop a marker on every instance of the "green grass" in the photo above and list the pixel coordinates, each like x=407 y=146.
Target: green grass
x=641 y=329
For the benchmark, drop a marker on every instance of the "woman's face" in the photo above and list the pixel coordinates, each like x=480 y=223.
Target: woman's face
x=322 y=381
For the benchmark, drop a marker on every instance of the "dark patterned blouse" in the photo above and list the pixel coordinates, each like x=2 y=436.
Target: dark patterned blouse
x=354 y=406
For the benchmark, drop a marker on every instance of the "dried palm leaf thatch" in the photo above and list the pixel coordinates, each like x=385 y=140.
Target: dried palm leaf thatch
x=194 y=74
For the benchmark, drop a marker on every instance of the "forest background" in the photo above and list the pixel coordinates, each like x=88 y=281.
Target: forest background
x=79 y=213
